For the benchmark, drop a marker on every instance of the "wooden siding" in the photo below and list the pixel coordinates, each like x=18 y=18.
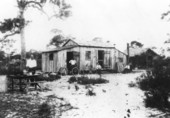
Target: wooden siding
x=111 y=57
x=94 y=57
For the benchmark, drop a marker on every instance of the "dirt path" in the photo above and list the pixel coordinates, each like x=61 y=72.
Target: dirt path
x=113 y=100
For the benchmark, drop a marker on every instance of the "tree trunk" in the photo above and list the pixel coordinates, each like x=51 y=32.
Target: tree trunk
x=23 y=47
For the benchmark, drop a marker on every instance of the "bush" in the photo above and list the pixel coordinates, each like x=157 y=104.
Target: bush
x=157 y=99
x=156 y=84
x=85 y=80
x=72 y=79
x=90 y=92
x=45 y=110
x=48 y=77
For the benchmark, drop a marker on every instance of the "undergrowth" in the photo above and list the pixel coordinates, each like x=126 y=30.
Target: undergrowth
x=83 y=80
x=156 y=84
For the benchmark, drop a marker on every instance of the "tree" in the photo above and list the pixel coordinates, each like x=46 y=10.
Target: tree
x=13 y=26
x=57 y=40
x=135 y=44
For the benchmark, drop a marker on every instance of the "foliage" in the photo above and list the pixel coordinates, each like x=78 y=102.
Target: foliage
x=13 y=26
x=90 y=92
x=156 y=84
x=45 y=110
x=58 y=40
x=86 y=80
x=136 y=44
x=19 y=105
x=140 y=61
x=49 y=77
x=31 y=105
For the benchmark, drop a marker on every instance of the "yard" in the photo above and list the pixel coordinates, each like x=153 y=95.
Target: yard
x=115 y=99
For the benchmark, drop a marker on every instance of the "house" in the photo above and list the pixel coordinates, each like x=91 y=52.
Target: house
x=141 y=57
x=86 y=54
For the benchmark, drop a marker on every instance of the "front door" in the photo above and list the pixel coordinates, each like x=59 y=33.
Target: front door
x=107 y=60
x=73 y=55
x=101 y=57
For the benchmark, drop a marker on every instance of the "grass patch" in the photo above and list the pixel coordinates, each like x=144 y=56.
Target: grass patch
x=83 y=80
x=45 y=110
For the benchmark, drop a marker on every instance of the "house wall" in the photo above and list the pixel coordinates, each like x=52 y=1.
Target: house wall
x=60 y=58
x=47 y=64
x=94 y=56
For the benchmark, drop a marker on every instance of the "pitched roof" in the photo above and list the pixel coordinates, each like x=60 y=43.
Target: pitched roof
x=90 y=43
x=75 y=43
x=138 y=51
x=59 y=48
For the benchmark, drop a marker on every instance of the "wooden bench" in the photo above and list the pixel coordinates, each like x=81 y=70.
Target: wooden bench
x=30 y=80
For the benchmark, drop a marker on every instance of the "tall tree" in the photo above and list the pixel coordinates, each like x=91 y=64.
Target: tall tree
x=13 y=26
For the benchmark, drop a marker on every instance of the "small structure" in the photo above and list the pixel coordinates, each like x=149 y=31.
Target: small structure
x=141 y=57
x=87 y=55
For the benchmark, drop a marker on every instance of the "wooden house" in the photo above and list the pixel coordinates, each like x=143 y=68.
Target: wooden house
x=85 y=54
x=141 y=57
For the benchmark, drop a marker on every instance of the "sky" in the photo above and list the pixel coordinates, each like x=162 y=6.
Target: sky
x=117 y=21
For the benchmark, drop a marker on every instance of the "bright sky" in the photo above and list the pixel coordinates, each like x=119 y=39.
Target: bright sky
x=119 y=21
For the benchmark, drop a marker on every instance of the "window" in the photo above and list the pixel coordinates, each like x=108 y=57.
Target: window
x=88 y=55
x=51 y=56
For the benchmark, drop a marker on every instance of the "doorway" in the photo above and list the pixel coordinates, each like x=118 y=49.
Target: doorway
x=101 y=57
x=69 y=57
x=73 y=55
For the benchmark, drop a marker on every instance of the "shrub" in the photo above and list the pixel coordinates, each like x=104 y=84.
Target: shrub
x=90 y=92
x=48 y=77
x=156 y=84
x=157 y=99
x=85 y=80
x=72 y=79
x=44 y=110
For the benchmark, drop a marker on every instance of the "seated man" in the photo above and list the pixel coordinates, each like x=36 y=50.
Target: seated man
x=72 y=64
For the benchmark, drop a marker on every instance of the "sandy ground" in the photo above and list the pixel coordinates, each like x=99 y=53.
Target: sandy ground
x=113 y=100
x=3 y=83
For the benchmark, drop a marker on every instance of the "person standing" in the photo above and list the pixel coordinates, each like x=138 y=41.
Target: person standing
x=31 y=64
x=98 y=68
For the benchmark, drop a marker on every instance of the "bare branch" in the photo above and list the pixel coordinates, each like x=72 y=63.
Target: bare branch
x=34 y=2
x=165 y=14
x=8 y=35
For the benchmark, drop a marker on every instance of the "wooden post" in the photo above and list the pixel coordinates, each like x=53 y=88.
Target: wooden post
x=127 y=53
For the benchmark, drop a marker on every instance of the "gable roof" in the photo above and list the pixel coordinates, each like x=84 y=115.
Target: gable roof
x=88 y=43
x=77 y=43
x=138 y=51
